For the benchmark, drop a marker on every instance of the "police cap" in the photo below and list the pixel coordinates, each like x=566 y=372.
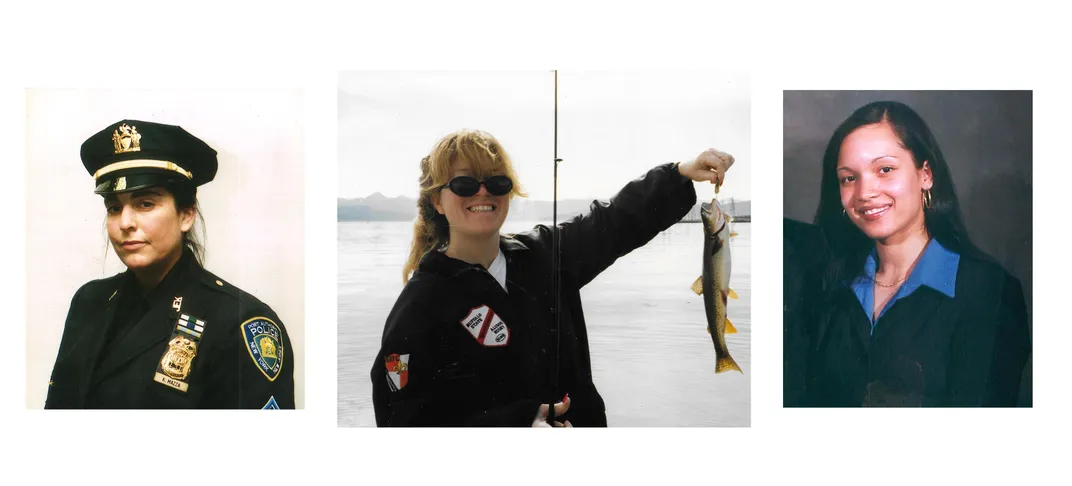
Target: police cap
x=134 y=154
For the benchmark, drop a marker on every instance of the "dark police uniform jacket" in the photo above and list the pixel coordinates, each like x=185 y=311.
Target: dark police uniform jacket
x=927 y=349
x=121 y=350
x=459 y=350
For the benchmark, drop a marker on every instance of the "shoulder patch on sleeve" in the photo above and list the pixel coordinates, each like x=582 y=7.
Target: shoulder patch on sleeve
x=397 y=370
x=264 y=341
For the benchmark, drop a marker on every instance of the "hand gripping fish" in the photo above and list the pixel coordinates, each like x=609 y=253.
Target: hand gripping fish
x=713 y=284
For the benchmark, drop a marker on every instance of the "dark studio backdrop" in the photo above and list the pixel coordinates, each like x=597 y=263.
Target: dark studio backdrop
x=986 y=139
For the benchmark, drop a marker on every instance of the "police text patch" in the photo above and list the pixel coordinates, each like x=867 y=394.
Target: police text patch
x=264 y=341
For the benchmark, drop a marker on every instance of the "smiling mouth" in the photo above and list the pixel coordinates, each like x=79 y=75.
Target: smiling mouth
x=874 y=213
x=487 y=208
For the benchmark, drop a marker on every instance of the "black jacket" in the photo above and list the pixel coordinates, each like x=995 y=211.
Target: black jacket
x=802 y=258
x=459 y=350
x=122 y=350
x=926 y=350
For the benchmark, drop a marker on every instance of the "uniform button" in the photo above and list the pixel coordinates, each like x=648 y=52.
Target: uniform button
x=219 y=283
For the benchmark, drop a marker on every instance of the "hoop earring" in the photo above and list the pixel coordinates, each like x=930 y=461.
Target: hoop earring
x=927 y=201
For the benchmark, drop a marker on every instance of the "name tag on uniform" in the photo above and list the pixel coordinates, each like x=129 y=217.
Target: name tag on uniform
x=175 y=365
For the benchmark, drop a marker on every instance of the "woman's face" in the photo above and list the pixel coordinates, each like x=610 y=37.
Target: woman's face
x=881 y=188
x=144 y=227
x=477 y=216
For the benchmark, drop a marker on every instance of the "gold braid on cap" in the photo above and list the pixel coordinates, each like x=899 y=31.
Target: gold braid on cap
x=142 y=163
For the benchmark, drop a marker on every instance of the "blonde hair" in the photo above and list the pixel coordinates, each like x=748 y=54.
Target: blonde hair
x=485 y=156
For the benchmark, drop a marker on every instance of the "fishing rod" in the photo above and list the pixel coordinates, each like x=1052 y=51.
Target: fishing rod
x=555 y=270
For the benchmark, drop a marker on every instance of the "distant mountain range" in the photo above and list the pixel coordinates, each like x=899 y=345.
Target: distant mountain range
x=378 y=207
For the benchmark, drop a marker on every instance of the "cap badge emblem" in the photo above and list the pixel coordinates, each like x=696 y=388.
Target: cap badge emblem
x=126 y=139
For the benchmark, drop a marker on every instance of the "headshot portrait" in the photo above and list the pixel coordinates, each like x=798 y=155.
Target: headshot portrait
x=544 y=249
x=165 y=249
x=907 y=248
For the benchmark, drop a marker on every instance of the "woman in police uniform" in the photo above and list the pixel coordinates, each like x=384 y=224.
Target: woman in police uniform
x=166 y=333
x=469 y=340
x=911 y=313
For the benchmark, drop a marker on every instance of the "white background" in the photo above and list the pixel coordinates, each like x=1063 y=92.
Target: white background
x=253 y=209
x=846 y=45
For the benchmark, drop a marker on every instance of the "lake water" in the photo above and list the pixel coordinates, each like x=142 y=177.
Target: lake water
x=652 y=358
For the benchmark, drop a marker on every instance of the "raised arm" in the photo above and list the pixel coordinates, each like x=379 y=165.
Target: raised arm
x=644 y=207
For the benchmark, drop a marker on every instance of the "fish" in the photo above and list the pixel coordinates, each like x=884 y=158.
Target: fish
x=714 y=281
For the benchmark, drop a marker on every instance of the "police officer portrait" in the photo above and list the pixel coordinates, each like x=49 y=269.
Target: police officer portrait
x=544 y=249
x=907 y=236
x=143 y=196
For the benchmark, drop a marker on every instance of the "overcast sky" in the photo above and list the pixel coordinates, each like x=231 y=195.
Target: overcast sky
x=612 y=126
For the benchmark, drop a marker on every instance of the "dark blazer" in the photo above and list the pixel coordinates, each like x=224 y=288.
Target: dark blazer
x=241 y=355
x=803 y=252
x=926 y=350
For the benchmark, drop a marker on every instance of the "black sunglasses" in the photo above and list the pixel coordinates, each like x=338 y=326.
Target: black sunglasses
x=466 y=186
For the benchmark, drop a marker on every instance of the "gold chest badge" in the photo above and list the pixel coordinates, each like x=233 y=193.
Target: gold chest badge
x=179 y=357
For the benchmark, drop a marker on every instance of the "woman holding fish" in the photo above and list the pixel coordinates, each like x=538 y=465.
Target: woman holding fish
x=908 y=312
x=468 y=342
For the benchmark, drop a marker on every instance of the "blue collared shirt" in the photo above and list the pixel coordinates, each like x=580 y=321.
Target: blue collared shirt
x=937 y=269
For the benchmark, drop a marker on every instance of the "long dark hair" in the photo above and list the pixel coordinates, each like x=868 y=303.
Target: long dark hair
x=186 y=198
x=848 y=245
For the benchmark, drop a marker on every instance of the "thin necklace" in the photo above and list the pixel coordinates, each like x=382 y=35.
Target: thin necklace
x=880 y=284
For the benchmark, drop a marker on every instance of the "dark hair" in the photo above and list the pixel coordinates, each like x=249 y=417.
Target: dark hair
x=848 y=245
x=186 y=198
